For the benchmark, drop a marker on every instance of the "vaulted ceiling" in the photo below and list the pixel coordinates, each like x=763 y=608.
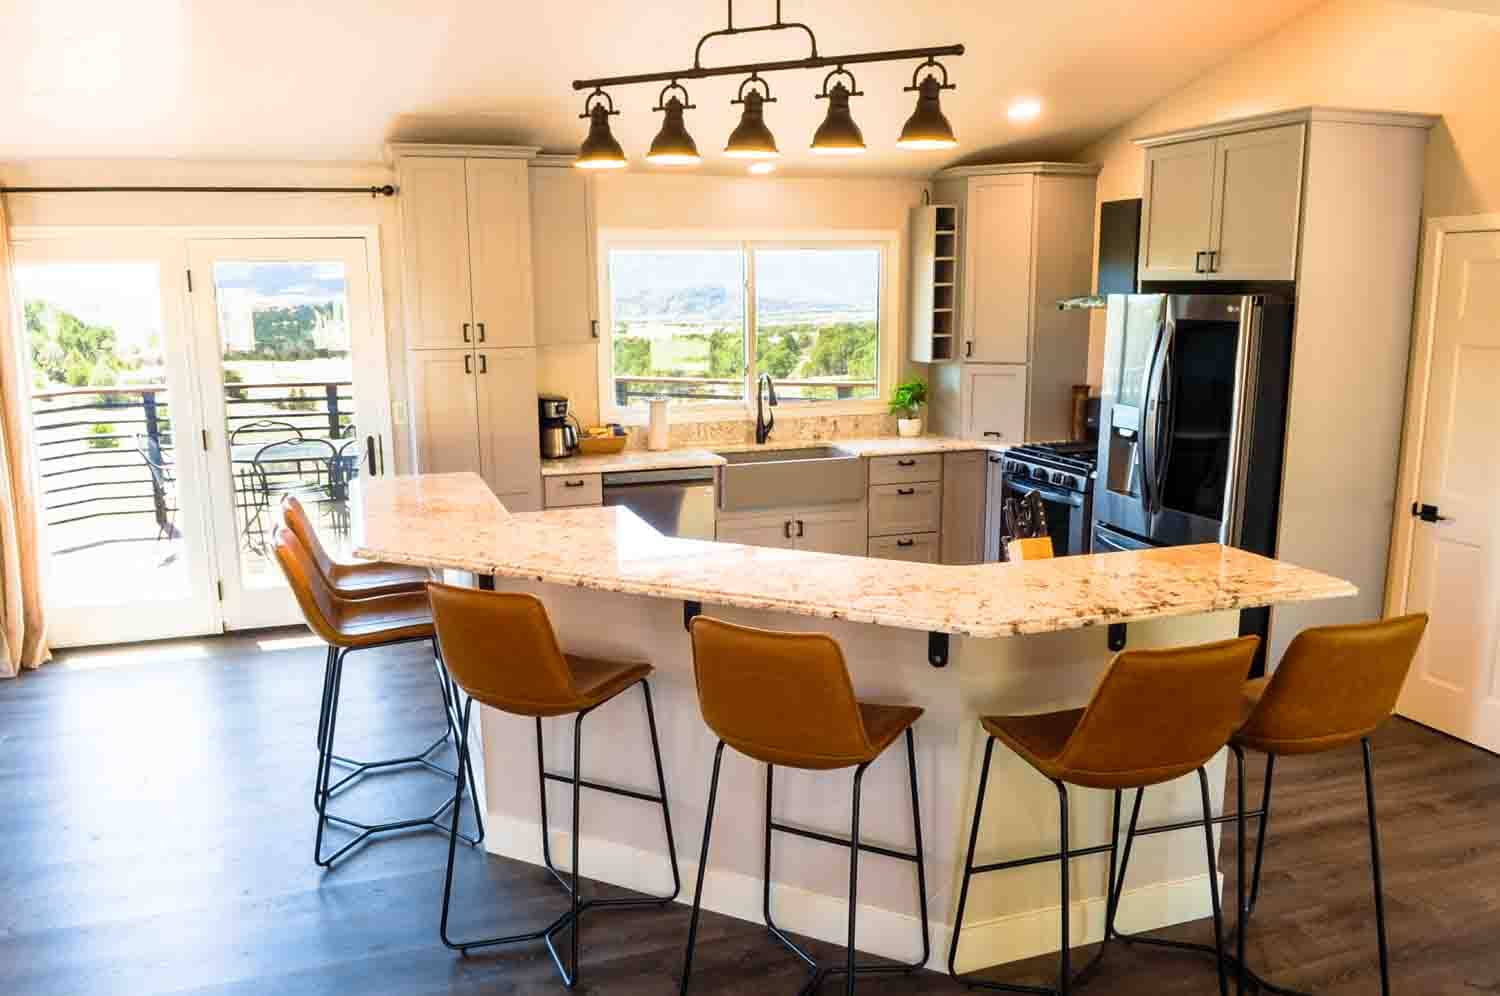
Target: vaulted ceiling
x=335 y=79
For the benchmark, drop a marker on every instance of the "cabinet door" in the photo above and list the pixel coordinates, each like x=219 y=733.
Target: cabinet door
x=997 y=268
x=840 y=531
x=964 y=484
x=443 y=410
x=919 y=548
x=435 y=244
x=509 y=441
x=500 y=251
x=761 y=530
x=562 y=259
x=994 y=403
x=1257 y=205
x=1177 y=218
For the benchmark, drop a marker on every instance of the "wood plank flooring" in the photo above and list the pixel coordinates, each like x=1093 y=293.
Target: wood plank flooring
x=157 y=832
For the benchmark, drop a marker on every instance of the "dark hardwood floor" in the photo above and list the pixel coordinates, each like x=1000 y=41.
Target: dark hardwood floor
x=157 y=838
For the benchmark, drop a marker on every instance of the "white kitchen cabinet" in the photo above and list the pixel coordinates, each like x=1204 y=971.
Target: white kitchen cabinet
x=562 y=256
x=994 y=405
x=824 y=529
x=775 y=530
x=509 y=447
x=500 y=251
x=444 y=410
x=1028 y=240
x=905 y=508
x=435 y=247
x=1225 y=207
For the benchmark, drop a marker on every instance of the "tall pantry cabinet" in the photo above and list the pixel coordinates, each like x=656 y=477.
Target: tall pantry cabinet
x=471 y=349
x=1025 y=234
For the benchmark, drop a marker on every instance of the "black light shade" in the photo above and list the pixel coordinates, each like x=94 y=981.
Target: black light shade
x=927 y=128
x=600 y=150
x=838 y=134
x=673 y=146
x=751 y=139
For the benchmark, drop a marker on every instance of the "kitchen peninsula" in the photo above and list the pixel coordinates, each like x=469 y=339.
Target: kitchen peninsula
x=1018 y=637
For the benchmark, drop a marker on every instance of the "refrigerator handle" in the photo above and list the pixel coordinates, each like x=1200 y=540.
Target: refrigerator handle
x=1151 y=420
x=1242 y=426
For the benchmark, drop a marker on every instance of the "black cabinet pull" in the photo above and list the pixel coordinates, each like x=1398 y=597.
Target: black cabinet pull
x=467 y=360
x=480 y=327
x=906 y=463
x=800 y=531
x=1198 y=260
x=1213 y=261
x=969 y=348
x=906 y=491
x=906 y=542
x=572 y=484
x=786 y=529
x=594 y=327
x=484 y=364
x=466 y=331
x=995 y=435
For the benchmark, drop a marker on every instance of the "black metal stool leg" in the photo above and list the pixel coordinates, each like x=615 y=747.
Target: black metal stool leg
x=1213 y=881
x=1242 y=904
x=1385 y=969
x=1265 y=826
x=1064 y=971
x=916 y=827
x=708 y=826
x=1110 y=931
x=859 y=777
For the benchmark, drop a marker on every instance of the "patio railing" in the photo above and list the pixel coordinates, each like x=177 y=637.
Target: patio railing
x=93 y=445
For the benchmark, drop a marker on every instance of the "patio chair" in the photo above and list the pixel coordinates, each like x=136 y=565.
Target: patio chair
x=343 y=469
x=302 y=468
x=163 y=486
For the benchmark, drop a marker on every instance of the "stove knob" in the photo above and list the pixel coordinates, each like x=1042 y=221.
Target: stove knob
x=1039 y=474
x=1059 y=478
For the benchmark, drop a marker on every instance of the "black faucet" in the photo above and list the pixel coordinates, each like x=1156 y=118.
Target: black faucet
x=762 y=426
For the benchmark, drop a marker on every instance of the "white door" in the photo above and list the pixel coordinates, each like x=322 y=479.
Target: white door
x=997 y=268
x=1176 y=227
x=115 y=443
x=292 y=373
x=1455 y=561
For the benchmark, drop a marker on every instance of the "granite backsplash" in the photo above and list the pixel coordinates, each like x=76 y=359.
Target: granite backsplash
x=809 y=428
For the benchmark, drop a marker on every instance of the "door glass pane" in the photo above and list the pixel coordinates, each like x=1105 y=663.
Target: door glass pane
x=679 y=324
x=288 y=375
x=103 y=443
x=817 y=322
x=1199 y=388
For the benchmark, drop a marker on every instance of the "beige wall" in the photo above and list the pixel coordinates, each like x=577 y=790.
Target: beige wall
x=1348 y=53
x=721 y=206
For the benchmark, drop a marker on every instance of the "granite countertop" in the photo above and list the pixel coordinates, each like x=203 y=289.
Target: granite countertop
x=454 y=521
x=675 y=459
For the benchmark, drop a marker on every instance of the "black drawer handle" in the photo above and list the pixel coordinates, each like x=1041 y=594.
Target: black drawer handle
x=906 y=491
x=996 y=435
x=906 y=542
x=906 y=463
x=573 y=484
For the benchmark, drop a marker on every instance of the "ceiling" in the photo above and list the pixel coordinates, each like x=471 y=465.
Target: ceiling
x=336 y=79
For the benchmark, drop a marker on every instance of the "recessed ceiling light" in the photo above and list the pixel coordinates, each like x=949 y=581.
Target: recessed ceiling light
x=764 y=166
x=1024 y=110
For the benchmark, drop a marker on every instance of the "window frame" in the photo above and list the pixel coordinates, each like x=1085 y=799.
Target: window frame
x=888 y=319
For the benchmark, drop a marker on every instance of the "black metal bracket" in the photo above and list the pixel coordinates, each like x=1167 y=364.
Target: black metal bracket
x=937 y=649
x=1117 y=636
x=690 y=610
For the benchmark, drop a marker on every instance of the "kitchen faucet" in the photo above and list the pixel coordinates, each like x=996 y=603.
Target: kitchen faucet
x=762 y=426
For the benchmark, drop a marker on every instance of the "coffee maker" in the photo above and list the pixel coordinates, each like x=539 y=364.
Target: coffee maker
x=559 y=438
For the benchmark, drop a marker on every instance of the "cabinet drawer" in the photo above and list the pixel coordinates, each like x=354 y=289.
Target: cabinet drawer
x=905 y=508
x=921 y=548
x=905 y=469
x=580 y=489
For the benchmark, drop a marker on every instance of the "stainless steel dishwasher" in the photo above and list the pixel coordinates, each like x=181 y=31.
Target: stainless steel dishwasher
x=675 y=502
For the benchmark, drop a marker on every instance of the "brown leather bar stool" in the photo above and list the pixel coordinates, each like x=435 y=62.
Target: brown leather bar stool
x=1336 y=685
x=347 y=625
x=786 y=698
x=502 y=652
x=1155 y=716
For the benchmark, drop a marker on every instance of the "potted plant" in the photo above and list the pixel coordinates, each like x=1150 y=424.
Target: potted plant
x=906 y=403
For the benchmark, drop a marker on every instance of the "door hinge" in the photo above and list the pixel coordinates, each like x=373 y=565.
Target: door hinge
x=190 y=280
x=219 y=586
x=205 y=437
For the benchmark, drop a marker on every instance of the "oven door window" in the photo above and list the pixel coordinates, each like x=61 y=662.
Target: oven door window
x=1063 y=515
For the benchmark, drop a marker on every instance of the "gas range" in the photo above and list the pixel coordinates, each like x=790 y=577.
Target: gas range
x=1069 y=466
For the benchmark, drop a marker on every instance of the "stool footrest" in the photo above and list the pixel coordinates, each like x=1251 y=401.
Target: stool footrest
x=843 y=842
x=1229 y=960
x=601 y=787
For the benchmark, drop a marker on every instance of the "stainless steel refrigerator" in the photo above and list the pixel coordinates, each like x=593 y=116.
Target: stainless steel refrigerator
x=1192 y=423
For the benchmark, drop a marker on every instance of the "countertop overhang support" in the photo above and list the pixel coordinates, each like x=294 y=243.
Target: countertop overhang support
x=937 y=649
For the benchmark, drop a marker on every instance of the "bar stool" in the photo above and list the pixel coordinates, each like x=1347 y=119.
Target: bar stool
x=1155 y=716
x=786 y=698
x=1335 y=685
x=347 y=625
x=501 y=650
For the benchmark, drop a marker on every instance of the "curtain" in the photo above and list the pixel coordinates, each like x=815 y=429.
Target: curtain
x=23 y=634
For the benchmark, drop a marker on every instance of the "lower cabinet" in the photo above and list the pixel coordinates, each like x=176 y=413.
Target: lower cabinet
x=823 y=529
x=921 y=548
x=965 y=477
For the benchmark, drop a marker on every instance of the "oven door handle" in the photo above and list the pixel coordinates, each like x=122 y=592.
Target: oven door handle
x=1048 y=492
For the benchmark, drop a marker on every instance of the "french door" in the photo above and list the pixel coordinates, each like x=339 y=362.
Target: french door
x=180 y=387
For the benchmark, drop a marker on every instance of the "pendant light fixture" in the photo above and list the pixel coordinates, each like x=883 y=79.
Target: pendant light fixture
x=599 y=150
x=673 y=146
x=838 y=135
x=751 y=139
x=927 y=128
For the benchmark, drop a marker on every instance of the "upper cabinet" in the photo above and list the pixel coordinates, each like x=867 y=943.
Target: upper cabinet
x=562 y=254
x=934 y=282
x=997 y=262
x=466 y=232
x=1225 y=207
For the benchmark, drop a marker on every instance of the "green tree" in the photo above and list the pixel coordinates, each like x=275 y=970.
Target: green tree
x=726 y=353
x=845 y=349
x=632 y=354
x=67 y=350
x=780 y=353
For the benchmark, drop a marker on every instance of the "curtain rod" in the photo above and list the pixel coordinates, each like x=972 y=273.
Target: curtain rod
x=386 y=190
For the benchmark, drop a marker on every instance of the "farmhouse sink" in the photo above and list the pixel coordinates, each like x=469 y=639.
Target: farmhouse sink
x=809 y=475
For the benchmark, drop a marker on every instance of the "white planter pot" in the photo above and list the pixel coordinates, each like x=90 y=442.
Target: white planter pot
x=909 y=426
